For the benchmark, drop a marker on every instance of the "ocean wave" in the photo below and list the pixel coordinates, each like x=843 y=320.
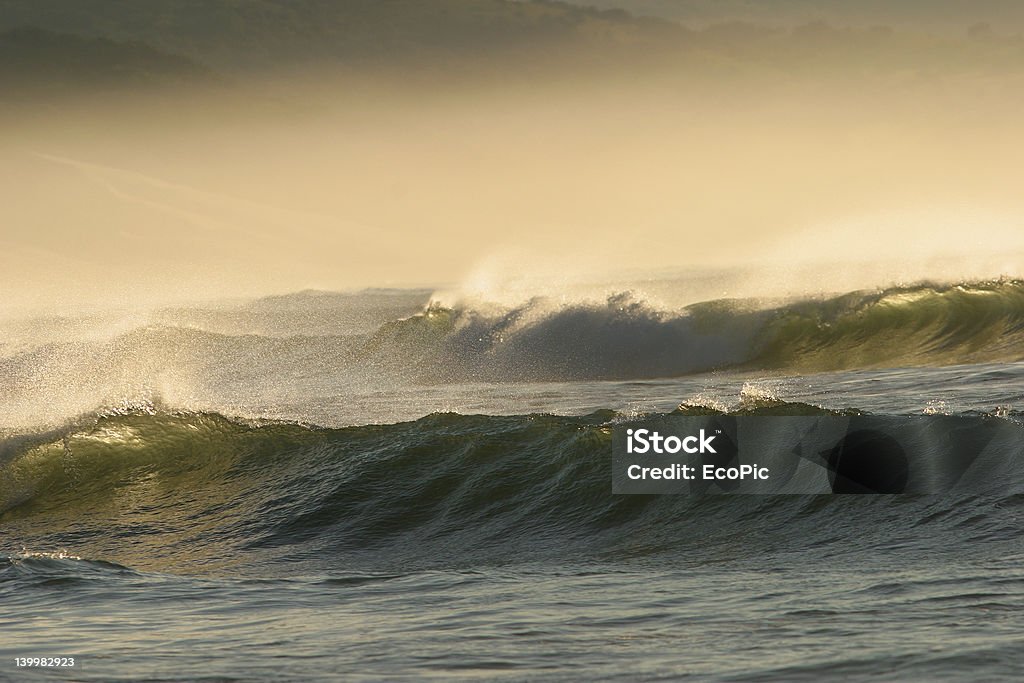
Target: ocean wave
x=162 y=490
x=623 y=337
x=924 y=325
x=920 y=325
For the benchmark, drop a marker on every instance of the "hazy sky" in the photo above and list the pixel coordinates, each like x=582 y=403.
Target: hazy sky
x=338 y=181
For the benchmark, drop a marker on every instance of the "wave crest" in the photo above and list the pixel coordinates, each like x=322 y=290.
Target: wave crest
x=626 y=338
x=153 y=491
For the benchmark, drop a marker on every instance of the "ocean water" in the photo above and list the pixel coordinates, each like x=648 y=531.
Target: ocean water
x=370 y=486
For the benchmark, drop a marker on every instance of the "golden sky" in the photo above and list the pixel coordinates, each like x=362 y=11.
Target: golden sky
x=332 y=183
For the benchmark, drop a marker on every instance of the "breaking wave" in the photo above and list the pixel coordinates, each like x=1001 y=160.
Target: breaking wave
x=621 y=338
x=629 y=339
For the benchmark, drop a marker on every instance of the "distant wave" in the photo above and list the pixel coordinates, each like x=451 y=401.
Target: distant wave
x=629 y=339
x=621 y=338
